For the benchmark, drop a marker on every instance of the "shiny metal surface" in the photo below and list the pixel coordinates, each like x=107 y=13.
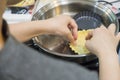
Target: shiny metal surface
x=56 y=45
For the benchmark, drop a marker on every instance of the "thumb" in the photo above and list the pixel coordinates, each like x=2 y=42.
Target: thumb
x=87 y=44
x=112 y=28
x=70 y=37
x=118 y=36
x=89 y=36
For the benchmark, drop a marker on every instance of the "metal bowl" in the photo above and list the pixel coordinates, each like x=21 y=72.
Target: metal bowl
x=56 y=45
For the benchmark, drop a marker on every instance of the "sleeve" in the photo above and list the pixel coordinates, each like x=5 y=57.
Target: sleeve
x=22 y=63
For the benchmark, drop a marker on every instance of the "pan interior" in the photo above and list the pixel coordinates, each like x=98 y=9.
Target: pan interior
x=84 y=12
x=87 y=20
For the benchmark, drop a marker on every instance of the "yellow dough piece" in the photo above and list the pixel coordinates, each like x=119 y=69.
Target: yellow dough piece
x=79 y=46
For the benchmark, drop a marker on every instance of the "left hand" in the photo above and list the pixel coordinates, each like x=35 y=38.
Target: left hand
x=63 y=25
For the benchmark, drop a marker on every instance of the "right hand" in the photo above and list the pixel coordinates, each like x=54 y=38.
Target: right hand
x=102 y=40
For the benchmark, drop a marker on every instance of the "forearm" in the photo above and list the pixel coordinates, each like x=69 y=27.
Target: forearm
x=27 y=30
x=109 y=67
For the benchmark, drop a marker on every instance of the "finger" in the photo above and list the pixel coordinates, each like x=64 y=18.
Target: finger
x=89 y=36
x=118 y=36
x=73 y=26
x=74 y=33
x=102 y=26
x=70 y=37
x=112 y=28
x=87 y=44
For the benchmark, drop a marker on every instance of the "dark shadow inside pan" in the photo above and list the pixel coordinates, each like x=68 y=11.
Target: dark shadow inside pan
x=87 y=20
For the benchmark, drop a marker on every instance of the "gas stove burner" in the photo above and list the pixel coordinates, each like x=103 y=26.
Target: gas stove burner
x=87 y=20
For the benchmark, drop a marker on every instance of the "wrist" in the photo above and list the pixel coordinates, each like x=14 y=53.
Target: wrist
x=110 y=52
x=42 y=27
x=47 y=26
x=108 y=55
x=109 y=65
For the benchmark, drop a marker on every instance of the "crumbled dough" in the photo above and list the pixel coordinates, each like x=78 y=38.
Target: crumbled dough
x=79 y=46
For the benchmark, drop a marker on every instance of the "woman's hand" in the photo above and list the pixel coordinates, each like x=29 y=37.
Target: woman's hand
x=103 y=43
x=60 y=25
x=63 y=25
x=103 y=40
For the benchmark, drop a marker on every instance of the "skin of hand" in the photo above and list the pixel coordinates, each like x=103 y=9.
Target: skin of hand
x=102 y=40
x=62 y=25
x=103 y=43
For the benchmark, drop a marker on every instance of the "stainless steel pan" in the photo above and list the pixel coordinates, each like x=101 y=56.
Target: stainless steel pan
x=57 y=46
